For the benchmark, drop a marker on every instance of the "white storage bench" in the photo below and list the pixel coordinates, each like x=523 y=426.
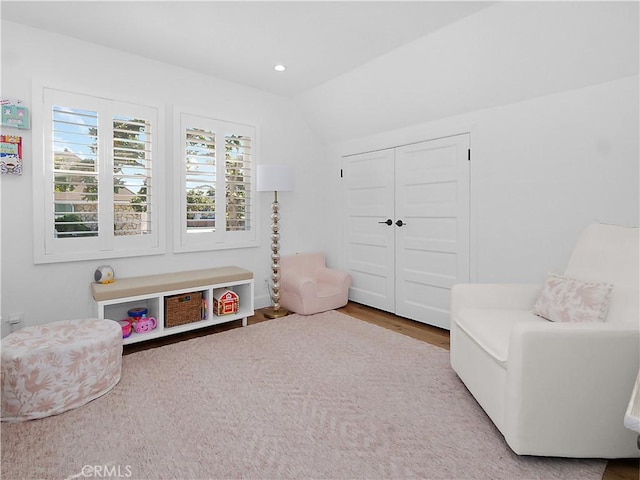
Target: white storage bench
x=153 y=292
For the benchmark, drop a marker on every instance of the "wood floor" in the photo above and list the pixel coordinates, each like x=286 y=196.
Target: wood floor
x=616 y=469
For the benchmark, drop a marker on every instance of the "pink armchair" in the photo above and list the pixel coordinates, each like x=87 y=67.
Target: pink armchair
x=307 y=286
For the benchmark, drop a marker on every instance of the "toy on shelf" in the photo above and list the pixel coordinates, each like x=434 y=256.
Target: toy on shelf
x=141 y=323
x=225 y=301
x=136 y=313
x=145 y=324
x=126 y=325
x=104 y=274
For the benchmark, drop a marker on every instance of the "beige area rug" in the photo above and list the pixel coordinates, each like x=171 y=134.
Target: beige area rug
x=321 y=397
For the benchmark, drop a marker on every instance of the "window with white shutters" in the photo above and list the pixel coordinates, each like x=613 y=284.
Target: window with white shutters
x=215 y=184
x=97 y=193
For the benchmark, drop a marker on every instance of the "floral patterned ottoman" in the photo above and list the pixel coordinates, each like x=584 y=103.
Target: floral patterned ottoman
x=49 y=369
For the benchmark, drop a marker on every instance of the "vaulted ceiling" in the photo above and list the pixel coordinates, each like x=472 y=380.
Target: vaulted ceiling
x=241 y=41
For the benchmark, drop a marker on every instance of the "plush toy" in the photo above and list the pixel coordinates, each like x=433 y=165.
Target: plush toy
x=104 y=274
x=145 y=324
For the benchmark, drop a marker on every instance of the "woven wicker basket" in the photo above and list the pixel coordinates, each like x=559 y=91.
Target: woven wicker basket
x=183 y=308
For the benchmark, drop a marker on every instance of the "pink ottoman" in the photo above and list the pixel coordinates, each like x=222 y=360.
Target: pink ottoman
x=49 y=369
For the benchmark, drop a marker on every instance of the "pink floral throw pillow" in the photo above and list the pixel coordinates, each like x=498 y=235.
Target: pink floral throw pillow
x=566 y=299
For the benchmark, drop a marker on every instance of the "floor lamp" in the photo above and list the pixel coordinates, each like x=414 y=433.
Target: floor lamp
x=275 y=178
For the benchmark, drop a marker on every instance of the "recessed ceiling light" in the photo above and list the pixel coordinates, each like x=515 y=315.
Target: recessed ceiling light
x=279 y=68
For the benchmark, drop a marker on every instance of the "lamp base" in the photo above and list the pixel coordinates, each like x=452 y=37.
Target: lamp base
x=269 y=312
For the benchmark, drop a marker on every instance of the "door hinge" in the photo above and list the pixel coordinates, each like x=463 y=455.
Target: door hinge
x=469 y=154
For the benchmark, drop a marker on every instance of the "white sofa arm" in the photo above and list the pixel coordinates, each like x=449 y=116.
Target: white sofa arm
x=521 y=296
x=570 y=375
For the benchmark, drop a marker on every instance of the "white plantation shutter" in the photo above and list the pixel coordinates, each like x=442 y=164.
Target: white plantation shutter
x=238 y=181
x=132 y=176
x=200 y=179
x=75 y=172
x=96 y=196
x=214 y=184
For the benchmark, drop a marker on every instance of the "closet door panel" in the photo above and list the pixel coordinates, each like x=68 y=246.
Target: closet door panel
x=432 y=245
x=370 y=245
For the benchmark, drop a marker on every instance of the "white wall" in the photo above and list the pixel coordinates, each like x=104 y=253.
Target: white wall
x=56 y=291
x=541 y=170
x=550 y=97
x=549 y=94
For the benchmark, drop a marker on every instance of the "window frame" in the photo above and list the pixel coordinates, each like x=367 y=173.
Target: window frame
x=47 y=247
x=220 y=238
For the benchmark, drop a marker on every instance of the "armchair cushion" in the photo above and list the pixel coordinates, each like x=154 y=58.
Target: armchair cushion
x=565 y=299
x=491 y=328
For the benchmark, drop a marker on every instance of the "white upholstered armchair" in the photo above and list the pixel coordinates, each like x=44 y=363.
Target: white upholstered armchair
x=556 y=388
x=308 y=286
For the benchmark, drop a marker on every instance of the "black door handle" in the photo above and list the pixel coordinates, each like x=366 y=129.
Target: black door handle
x=400 y=223
x=388 y=221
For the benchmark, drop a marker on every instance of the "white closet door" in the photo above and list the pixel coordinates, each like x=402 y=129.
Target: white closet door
x=432 y=245
x=407 y=227
x=368 y=189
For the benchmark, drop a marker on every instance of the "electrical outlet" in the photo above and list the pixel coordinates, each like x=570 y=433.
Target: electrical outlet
x=266 y=284
x=15 y=318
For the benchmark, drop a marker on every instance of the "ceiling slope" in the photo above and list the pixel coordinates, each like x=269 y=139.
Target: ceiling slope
x=507 y=53
x=241 y=41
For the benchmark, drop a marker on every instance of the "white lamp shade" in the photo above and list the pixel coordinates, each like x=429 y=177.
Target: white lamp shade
x=274 y=178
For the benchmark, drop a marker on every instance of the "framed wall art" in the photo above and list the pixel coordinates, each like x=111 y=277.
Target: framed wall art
x=10 y=154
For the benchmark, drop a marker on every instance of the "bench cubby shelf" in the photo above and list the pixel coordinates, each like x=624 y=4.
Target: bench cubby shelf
x=114 y=300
